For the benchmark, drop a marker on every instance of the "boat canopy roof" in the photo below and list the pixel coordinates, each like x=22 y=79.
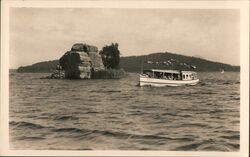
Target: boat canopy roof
x=188 y=72
x=169 y=71
x=164 y=71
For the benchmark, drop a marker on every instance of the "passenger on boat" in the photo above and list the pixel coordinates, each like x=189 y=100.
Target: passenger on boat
x=175 y=76
x=160 y=75
x=164 y=76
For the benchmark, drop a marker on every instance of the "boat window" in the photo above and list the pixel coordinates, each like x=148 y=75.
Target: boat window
x=183 y=76
x=176 y=76
x=165 y=76
x=168 y=76
x=158 y=74
x=148 y=73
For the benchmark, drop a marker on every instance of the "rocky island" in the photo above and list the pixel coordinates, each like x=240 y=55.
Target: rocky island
x=83 y=61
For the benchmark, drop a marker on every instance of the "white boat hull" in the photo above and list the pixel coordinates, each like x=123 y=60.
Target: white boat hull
x=146 y=81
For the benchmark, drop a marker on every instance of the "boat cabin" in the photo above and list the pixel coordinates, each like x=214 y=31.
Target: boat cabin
x=189 y=75
x=170 y=74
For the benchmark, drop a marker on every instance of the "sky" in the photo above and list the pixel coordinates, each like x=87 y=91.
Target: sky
x=42 y=34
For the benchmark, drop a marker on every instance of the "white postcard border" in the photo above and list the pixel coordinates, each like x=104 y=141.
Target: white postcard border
x=244 y=76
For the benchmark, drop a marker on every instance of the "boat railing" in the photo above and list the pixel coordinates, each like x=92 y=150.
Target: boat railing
x=185 y=75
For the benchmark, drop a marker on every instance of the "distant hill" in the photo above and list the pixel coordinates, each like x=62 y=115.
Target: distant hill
x=156 y=60
x=41 y=67
x=173 y=61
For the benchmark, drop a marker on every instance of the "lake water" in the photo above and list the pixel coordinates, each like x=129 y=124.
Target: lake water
x=119 y=115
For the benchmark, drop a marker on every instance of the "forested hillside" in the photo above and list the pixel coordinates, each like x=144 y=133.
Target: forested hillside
x=156 y=60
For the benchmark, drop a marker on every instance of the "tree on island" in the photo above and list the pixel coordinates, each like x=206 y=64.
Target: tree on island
x=111 y=56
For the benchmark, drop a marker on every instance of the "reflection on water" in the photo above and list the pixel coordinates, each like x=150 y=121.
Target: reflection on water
x=119 y=115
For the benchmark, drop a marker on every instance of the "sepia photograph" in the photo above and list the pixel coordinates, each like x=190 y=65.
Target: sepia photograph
x=153 y=78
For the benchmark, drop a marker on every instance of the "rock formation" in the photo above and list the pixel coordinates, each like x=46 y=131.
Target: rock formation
x=84 y=48
x=79 y=62
x=84 y=62
x=57 y=74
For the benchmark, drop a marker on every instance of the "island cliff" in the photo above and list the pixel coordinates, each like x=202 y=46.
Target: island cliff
x=83 y=62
